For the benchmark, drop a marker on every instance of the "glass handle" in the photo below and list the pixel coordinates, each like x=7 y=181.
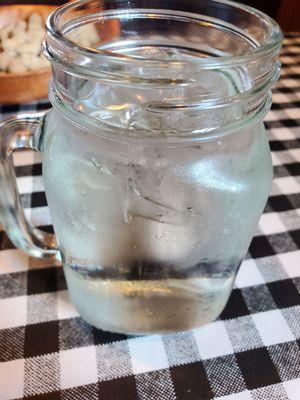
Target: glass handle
x=19 y=132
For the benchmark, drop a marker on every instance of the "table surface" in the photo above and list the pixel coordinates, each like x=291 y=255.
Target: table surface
x=252 y=352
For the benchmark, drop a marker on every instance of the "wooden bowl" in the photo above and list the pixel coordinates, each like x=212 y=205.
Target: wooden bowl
x=30 y=85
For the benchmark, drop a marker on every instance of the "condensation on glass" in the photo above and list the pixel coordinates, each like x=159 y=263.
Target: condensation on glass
x=156 y=162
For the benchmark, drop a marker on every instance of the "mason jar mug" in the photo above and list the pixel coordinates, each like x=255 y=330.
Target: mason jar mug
x=156 y=163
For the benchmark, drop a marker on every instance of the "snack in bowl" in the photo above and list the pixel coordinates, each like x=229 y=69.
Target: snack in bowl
x=20 y=45
x=24 y=72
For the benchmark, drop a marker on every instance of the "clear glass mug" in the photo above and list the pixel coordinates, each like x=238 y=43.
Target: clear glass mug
x=156 y=163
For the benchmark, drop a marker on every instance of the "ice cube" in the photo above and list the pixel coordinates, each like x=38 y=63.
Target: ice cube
x=150 y=205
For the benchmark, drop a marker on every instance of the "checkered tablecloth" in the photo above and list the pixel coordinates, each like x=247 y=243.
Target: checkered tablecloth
x=252 y=352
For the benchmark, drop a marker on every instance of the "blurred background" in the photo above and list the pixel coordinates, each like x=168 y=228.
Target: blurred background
x=286 y=12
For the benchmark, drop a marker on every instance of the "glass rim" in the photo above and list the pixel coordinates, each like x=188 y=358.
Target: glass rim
x=270 y=46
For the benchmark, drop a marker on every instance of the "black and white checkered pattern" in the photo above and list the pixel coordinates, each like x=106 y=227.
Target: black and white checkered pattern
x=252 y=352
